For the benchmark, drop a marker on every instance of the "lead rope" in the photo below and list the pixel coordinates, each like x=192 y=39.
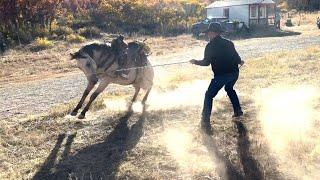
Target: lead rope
x=148 y=66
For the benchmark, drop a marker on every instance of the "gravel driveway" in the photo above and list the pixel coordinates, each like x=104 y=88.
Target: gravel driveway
x=37 y=97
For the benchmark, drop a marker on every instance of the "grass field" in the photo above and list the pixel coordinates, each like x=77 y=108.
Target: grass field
x=280 y=100
x=277 y=137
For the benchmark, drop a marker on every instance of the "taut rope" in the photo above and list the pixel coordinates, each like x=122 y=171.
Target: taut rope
x=148 y=66
x=158 y=65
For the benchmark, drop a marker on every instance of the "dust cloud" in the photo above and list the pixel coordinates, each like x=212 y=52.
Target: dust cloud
x=183 y=145
x=289 y=118
x=188 y=94
x=182 y=139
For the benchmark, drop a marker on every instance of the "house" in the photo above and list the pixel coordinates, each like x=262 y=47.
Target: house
x=250 y=12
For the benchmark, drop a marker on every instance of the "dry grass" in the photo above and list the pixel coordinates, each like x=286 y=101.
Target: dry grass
x=21 y=64
x=304 y=23
x=163 y=143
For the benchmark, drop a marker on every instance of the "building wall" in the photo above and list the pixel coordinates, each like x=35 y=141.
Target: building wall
x=215 y=12
x=239 y=13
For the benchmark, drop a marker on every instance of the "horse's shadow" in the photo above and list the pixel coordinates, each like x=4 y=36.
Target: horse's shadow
x=99 y=161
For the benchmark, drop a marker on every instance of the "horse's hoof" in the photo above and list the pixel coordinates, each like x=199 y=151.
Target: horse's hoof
x=73 y=113
x=81 y=116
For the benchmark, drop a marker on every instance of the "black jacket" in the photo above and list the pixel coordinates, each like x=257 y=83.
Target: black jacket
x=222 y=56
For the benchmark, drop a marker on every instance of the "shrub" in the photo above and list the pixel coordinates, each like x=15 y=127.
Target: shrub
x=90 y=32
x=75 y=38
x=40 y=32
x=24 y=36
x=41 y=44
x=63 y=31
x=81 y=22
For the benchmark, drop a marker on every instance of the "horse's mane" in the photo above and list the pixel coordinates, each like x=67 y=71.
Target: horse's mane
x=95 y=46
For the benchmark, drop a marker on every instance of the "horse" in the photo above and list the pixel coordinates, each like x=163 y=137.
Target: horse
x=100 y=62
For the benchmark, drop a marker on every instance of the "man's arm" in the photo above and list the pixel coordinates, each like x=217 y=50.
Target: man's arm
x=208 y=55
x=236 y=56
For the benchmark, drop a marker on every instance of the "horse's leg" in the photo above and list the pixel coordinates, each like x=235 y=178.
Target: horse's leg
x=94 y=95
x=137 y=90
x=145 y=97
x=144 y=100
x=86 y=92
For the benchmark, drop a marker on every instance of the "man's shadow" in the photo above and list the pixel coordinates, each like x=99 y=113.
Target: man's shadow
x=225 y=168
x=99 y=161
x=251 y=167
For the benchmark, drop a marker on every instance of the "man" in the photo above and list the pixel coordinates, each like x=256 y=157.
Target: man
x=277 y=20
x=224 y=60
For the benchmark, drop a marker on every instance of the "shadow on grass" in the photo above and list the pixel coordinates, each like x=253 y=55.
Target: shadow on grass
x=99 y=161
x=225 y=169
x=256 y=33
x=262 y=33
x=251 y=167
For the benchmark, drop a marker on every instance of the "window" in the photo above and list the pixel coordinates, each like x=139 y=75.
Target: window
x=253 y=11
x=226 y=12
x=262 y=12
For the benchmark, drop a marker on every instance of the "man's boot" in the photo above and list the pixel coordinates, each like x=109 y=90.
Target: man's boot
x=237 y=114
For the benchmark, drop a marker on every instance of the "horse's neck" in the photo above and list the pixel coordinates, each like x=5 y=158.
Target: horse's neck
x=104 y=60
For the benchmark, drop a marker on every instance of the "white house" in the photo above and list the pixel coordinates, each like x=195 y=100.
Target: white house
x=251 y=12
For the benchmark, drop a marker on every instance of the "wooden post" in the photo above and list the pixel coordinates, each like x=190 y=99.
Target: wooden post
x=258 y=13
x=249 y=22
x=267 y=14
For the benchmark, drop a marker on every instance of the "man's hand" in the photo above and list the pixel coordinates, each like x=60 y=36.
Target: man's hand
x=193 y=61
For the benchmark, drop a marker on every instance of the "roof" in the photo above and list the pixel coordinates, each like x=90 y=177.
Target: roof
x=226 y=3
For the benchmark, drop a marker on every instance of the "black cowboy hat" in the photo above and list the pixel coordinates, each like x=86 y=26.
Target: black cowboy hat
x=214 y=27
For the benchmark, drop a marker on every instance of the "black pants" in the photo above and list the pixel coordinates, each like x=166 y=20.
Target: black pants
x=227 y=80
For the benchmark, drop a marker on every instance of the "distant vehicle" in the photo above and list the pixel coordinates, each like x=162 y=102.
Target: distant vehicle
x=318 y=22
x=201 y=26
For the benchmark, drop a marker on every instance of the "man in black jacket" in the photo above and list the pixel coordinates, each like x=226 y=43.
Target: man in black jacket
x=225 y=61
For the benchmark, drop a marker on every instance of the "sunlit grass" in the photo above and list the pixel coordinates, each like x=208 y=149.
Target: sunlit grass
x=168 y=147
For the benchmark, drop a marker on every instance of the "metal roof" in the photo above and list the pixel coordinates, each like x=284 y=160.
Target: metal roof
x=227 y=3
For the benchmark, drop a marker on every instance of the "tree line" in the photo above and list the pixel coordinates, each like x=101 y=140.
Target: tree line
x=21 y=21
x=305 y=5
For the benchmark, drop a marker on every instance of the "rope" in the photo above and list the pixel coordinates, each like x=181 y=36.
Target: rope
x=158 y=65
x=148 y=66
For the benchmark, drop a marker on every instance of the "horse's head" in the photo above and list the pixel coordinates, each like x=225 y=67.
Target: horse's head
x=86 y=64
x=118 y=45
